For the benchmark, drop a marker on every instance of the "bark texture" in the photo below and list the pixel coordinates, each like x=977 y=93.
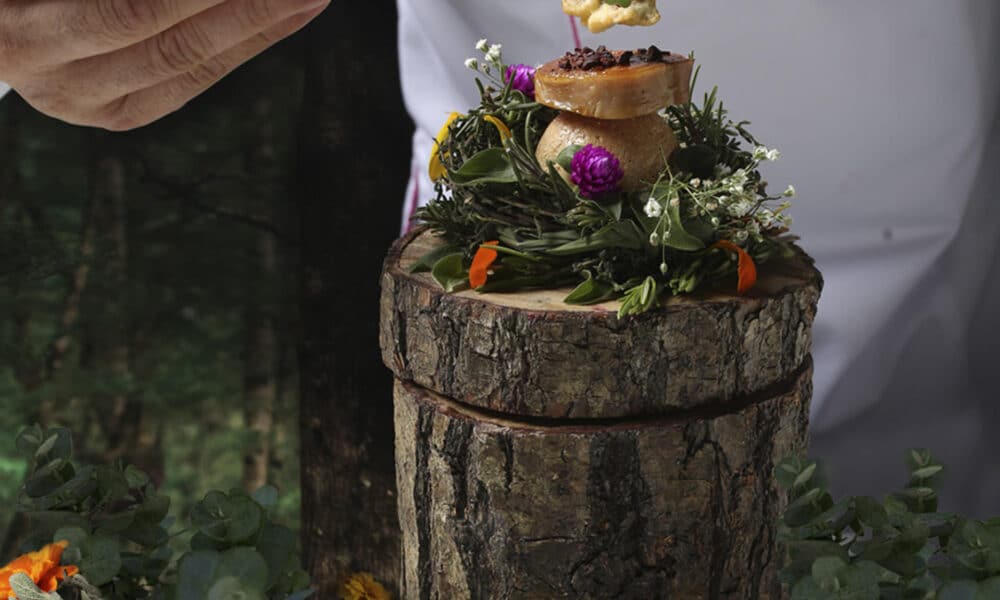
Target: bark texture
x=530 y=354
x=671 y=507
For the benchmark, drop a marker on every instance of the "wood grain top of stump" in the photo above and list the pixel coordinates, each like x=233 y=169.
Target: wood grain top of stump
x=530 y=354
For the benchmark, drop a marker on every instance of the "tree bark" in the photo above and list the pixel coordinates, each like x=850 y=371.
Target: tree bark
x=260 y=385
x=531 y=354
x=353 y=162
x=587 y=456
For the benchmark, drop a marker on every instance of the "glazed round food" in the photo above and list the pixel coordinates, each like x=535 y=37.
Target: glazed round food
x=620 y=84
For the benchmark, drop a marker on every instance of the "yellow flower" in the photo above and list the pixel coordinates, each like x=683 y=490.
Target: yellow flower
x=362 y=586
x=436 y=169
x=42 y=567
x=502 y=128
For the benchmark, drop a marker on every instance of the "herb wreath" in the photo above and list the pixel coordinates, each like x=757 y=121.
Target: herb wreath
x=510 y=223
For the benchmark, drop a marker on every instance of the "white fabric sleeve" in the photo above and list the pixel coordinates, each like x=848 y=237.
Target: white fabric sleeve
x=4 y=88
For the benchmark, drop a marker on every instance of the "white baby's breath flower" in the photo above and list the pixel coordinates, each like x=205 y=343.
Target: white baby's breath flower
x=482 y=45
x=471 y=63
x=760 y=153
x=742 y=235
x=773 y=155
x=654 y=239
x=789 y=192
x=695 y=183
x=675 y=202
x=741 y=208
x=664 y=268
x=715 y=221
x=711 y=206
x=722 y=171
x=493 y=54
x=653 y=208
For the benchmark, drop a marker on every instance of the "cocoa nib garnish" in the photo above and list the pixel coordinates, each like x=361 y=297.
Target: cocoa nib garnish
x=587 y=59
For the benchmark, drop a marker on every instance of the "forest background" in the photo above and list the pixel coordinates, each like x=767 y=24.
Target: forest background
x=200 y=297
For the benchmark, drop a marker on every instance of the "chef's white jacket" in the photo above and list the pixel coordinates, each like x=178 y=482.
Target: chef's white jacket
x=886 y=114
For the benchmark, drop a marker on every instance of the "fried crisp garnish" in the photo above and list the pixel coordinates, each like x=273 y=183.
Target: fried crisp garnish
x=599 y=15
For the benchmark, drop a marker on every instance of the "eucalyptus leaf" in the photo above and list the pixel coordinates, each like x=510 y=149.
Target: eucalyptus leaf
x=101 y=560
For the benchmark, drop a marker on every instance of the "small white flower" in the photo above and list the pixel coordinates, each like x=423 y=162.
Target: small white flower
x=740 y=209
x=754 y=228
x=695 y=183
x=715 y=221
x=682 y=145
x=740 y=176
x=723 y=170
x=742 y=235
x=675 y=202
x=773 y=155
x=482 y=45
x=664 y=268
x=790 y=192
x=711 y=206
x=653 y=208
x=471 y=63
x=493 y=54
x=760 y=153
x=654 y=239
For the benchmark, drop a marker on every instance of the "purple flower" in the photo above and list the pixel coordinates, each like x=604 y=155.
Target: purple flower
x=522 y=79
x=596 y=171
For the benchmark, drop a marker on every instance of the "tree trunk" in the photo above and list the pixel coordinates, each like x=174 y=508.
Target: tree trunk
x=589 y=456
x=260 y=385
x=353 y=162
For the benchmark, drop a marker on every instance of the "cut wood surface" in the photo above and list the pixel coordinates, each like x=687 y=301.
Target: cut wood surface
x=495 y=507
x=531 y=354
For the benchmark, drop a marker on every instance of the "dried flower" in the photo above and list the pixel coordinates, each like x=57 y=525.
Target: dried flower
x=653 y=208
x=362 y=586
x=42 y=567
x=481 y=263
x=436 y=168
x=596 y=171
x=522 y=78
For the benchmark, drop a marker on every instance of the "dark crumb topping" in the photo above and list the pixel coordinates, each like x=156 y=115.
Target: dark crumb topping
x=587 y=59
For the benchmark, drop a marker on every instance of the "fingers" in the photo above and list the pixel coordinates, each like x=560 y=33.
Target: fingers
x=184 y=46
x=147 y=105
x=80 y=28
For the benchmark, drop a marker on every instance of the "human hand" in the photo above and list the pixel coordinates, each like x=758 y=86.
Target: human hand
x=120 y=64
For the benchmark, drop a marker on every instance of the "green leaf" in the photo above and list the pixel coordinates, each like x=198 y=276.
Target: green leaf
x=196 y=573
x=565 y=158
x=245 y=565
x=228 y=518
x=101 y=560
x=231 y=588
x=590 y=291
x=803 y=478
x=927 y=472
x=676 y=236
x=76 y=536
x=622 y=234
x=450 y=272
x=276 y=545
x=488 y=166
x=266 y=496
x=958 y=590
x=428 y=260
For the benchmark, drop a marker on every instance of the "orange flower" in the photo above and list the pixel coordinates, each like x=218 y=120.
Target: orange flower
x=502 y=128
x=746 y=268
x=42 y=567
x=481 y=263
x=362 y=586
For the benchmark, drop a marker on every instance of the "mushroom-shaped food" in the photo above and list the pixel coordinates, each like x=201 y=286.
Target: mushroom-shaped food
x=642 y=145
x=620 y=84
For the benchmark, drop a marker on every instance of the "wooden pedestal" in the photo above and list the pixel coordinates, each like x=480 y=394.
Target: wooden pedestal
x=549 y=451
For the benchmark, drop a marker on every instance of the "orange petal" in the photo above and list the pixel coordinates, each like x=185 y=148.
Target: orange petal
x=746 y=268
x=502 y=128
x=481 y=263
x=436 y=169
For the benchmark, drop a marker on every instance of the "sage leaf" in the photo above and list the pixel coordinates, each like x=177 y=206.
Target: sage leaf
x=590 y=291
x=565 y=158
x=488 y=166
x=450 y=273
x=676 y=237
x=427 y=261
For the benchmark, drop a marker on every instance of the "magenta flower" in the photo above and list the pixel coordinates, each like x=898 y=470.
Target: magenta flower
x=596 y=171
x=522 y=78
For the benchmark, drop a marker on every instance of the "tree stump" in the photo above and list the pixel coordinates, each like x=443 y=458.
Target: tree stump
x=552 y=451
